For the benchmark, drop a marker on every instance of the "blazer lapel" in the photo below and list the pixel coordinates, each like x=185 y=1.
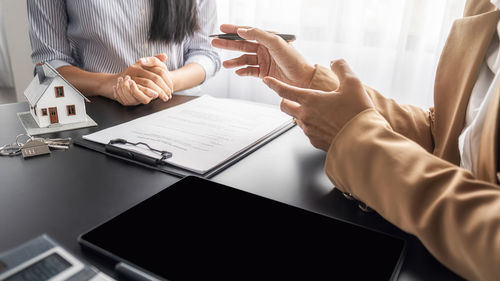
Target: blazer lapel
x=487 y=162
x=477 y=7
x=458 y=69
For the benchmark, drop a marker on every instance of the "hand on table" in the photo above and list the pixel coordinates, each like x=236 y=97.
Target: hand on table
x=270 y=56
x=127 y=92
x=321 y=115
x=144 y=81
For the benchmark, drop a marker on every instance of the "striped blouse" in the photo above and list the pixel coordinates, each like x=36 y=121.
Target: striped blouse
x=109 y=35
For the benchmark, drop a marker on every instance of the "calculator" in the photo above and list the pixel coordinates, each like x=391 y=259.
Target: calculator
x=42 y=259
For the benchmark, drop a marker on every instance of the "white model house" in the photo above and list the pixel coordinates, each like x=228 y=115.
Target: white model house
x=53 y=100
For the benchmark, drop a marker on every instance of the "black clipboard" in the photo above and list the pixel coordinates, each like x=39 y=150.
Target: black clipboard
x=180 y=172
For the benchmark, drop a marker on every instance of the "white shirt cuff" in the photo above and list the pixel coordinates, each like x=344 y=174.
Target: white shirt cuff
x=58 y=63
x=205 y=62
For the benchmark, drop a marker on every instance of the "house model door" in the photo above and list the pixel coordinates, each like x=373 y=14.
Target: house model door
x=54 y=118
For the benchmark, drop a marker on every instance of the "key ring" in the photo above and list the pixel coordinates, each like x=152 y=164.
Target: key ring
x=14 y=149
x=21 y=144
x=10 y=150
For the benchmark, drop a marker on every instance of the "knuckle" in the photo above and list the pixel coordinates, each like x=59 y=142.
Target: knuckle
x=315 y=143
x=349 y=77
x=279 y=41
x=307 y=130
x=281 y=91
x=304 y=99
x=300 y=115
x=254 y=30
x=279 y=87
x=305 y=116
x=246 y=47
x=156 y=79
x=352 y=80
x=338 y=63
x=162 y=71
x=283 y=106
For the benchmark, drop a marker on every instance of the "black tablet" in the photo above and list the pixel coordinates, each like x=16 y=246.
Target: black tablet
x=200 y=230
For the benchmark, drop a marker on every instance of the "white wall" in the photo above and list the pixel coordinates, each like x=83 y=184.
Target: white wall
x=16 y=31
x=6 y=79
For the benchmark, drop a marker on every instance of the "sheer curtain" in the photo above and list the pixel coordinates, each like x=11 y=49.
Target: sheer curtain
x=393 y=45
x=6 y=80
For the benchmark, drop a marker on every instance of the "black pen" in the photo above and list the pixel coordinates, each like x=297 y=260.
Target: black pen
x=234 y=36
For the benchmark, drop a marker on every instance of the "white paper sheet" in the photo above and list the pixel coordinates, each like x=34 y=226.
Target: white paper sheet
x=202 y=133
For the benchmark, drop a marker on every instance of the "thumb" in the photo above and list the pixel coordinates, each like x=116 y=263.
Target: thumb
x=268 y=39
x=163 y=57
x=148 y=61
x=343 y=72
x=287 y=91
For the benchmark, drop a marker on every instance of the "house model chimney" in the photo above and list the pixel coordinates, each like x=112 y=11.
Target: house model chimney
x=39 y=71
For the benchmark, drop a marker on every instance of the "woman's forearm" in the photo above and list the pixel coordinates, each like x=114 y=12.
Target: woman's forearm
x=92 y=84
x=188 y=76
x=89 y=83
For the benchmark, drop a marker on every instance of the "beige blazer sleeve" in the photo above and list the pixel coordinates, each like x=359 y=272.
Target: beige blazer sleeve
x=410 y=121
x=454 y=215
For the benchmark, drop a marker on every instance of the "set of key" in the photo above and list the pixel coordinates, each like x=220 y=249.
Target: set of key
x=29 y=146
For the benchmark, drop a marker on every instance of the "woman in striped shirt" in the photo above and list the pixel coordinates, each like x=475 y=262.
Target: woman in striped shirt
x=132 y=51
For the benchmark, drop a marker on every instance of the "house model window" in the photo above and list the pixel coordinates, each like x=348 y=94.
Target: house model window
x=59 y=92
x=44 y=111
x=71 y=110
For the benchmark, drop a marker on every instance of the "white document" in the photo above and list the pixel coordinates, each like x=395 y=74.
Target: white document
x=202 y=133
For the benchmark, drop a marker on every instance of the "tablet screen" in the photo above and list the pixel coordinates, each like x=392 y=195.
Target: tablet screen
x=200 y=230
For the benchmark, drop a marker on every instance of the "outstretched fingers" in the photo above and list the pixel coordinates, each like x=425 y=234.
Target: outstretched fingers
x=241 y=61
x=266 y=38
x=231 y=45
x=291 y=108
x=249 y=71
x=286 y=91
x=231 y=28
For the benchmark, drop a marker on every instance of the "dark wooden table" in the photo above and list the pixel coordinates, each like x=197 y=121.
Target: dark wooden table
x=69 y=192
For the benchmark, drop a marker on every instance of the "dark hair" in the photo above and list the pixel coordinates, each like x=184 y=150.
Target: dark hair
x=173 y=20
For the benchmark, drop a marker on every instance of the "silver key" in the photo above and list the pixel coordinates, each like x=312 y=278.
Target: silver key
x=30 y=146
x=57 y=143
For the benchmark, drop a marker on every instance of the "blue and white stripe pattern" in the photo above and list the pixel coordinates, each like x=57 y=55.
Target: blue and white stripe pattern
x=109 y=35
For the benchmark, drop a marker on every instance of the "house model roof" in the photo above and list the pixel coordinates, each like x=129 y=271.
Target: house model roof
x=36 y=90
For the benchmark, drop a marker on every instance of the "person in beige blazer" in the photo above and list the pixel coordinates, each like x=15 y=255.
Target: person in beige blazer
x=400 y=160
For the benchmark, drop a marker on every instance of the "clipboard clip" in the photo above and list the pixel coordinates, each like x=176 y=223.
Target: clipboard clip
x=112 y=148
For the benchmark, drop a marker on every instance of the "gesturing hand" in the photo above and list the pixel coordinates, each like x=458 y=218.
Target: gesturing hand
x=270 y=55
x=321 y=115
